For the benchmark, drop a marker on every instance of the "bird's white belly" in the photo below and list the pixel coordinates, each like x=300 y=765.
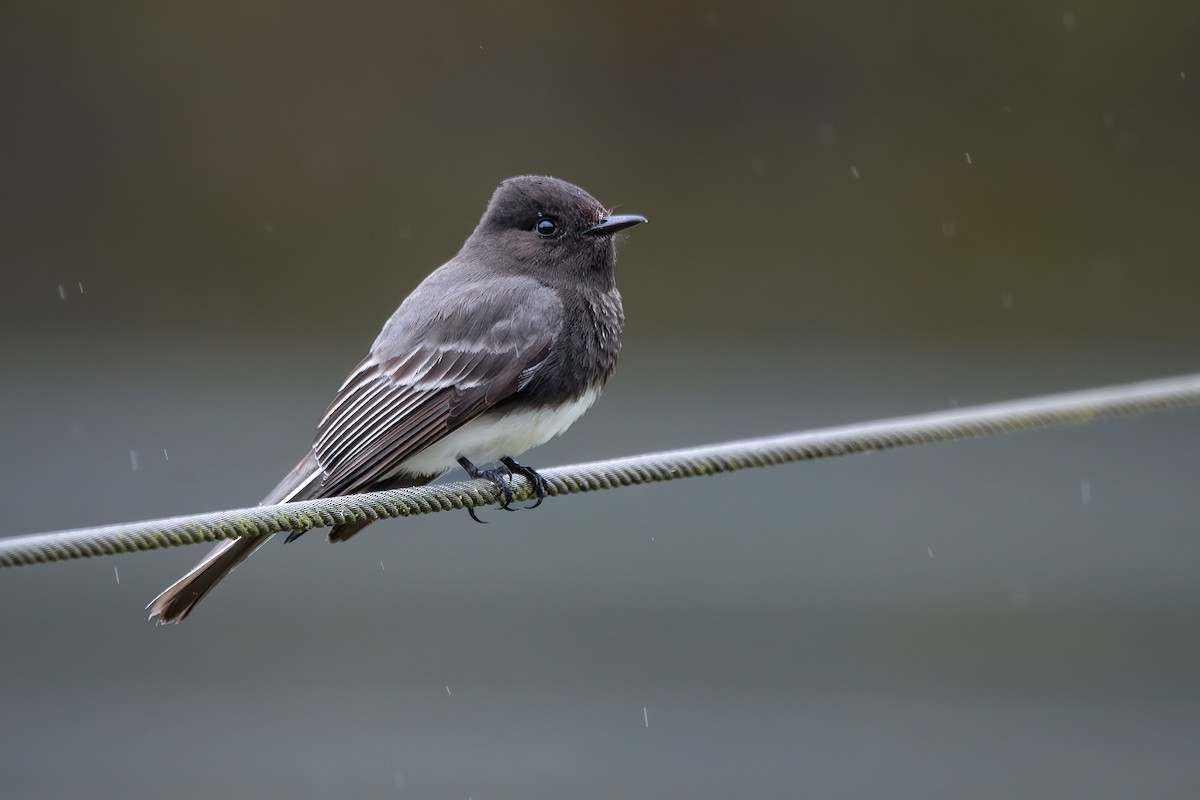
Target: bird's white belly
x=491 y=436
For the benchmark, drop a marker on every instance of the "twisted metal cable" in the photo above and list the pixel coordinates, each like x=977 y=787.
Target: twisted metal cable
x=1061 y=409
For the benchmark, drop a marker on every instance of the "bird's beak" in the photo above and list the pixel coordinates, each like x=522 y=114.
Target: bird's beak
x=618 y=222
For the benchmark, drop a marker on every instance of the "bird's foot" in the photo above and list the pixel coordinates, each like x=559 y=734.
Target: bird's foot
x=538 y=483
x=501 y=477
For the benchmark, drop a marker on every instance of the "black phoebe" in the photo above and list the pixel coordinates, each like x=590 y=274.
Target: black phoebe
x=499 y=350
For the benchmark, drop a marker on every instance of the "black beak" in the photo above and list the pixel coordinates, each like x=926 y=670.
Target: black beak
x=618 y=222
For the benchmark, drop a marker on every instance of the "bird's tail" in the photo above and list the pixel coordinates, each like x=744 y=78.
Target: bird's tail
x=178 y=600
x=303 y=482
x=174 y=604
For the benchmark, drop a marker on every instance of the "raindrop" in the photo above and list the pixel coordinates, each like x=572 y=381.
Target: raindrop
x=1085 y=492
x=1068 y=21
x=448 y=692
x=646 y=716
x=930 y=551
x=133 y=460
x=854 y=172
x=118 y=576
x=62 y=293
x=81 y=287
x=968 y=159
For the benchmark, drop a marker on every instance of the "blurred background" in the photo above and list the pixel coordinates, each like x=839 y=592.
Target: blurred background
x=858 y=210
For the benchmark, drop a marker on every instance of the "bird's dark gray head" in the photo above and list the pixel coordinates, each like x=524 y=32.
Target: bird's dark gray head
x=542 y=226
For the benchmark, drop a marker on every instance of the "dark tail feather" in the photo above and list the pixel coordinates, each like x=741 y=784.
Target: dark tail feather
x=341 y=533
x=301 y=483
x=174 y=604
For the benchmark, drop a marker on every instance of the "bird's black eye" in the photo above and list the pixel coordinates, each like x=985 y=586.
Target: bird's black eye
x=546 y=227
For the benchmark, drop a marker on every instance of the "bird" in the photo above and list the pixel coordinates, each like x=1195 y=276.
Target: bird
x=497 y=351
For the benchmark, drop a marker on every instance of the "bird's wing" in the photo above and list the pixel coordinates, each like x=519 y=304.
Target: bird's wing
x=429 y=374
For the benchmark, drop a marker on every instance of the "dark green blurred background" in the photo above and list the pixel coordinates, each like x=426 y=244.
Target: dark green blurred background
x=857 y=211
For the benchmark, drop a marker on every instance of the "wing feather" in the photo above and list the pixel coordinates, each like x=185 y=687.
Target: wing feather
x=428 y=375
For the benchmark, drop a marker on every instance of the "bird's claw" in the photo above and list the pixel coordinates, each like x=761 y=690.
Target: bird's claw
x=539 y=484
x=502 y=478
